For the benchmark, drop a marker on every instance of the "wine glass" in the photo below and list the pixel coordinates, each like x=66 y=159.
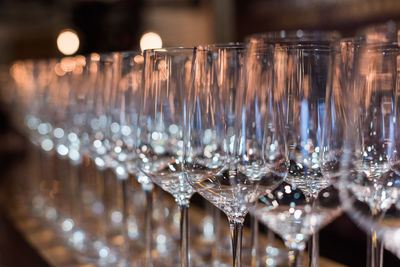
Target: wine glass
x=48 y=120
x=25 y=105
x=81 y=108
x=89 y=144
x=302 y=71
x=260 y=148
x=42 y=133
x=210 y=134
x=67 y=73
x=27 y=101
x=167 y=77
x=40 y=118
x=369 y=188
x=124 y=109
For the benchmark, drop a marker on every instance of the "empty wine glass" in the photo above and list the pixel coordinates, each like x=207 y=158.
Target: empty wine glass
x=124 y=109
x=301 y=73
x=210 y=135
x=27 y=99
x=167 y=77
x=89 y=139
x=260 y=149
x=25 y=117
x=369 y=189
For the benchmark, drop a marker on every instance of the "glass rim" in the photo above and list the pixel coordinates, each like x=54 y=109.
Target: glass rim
x=173 y=49
x=353 y=39
x=296 y=36
x=229 y=45
x=129 y=52
x=360 y=43
x=389 y=29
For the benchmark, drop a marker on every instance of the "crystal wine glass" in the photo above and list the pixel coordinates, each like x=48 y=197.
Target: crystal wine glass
x=305 y=201
x=369 y=189
x=124 y=109
x=89 y=145
x=210 y=135
x=167 y=77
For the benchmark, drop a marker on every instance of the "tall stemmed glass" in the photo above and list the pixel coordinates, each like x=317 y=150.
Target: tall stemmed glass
x=54 y=92
x=43 y=133
x=80 y=75
x=68 y=73
x=167 y=77
x=94 y=143
x=29 y=97
x=210 y=134
x=302 y=70
x=124 y=109
x=370 y=165
x=260 y=148
x=27 y=103
x=305 y=111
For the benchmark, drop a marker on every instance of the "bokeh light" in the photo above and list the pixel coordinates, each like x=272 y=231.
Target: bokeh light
x=68 y=42
x=150 y=40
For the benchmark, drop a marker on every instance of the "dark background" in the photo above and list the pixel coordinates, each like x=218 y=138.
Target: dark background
x=28 y=29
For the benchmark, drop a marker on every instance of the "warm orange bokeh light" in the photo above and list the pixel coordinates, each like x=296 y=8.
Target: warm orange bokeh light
x=150 y=40
x=68 y=42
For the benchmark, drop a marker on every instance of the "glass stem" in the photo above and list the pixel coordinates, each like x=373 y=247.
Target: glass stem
x=375 y=251
x=236 y=234
x=294 y=258
x=313 y=250
x=270 y=237
x=124 y=205
x=79 y=185
x=101 y=177
x=254 y=241
x=75 y=191
x=313 y=242
x=148 y=190
x=216 y=250
x=375 y=247
x=184 y=231
x=38 y=178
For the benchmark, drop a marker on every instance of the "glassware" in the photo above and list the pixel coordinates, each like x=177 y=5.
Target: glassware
x=124 y=109
x=167 y=77
x=300 y=74
x=90 y=142
x=260 y=149
x=26 y=100
x=210 y=134
x=369 y=188
x=50 y=118
x=82 y=87
x=59 y=105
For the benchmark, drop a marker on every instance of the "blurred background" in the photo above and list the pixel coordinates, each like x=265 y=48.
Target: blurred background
x=53 y=28
x=29 y=28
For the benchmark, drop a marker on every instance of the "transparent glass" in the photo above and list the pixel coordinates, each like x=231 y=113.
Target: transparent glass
x=210 y=134
x=300 y=74
x=90 y=146
x=370 y=162
x=260 y=149
x=167 y=77
x=122 y=125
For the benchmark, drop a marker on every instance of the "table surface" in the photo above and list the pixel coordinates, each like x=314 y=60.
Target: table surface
x=15 y=249
x=37 y=254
